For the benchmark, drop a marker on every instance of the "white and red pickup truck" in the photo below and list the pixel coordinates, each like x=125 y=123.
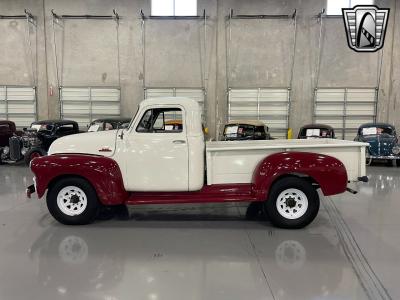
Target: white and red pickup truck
x=152 y=162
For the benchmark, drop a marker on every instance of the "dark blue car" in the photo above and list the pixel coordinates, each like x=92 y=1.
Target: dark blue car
x=383 y=141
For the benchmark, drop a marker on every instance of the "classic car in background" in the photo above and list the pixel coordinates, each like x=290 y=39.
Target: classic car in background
x=245 y=130
x=383 y=141
x=108 y=124
x=173 y=125
x=36 y=140
x=7 y=130
x=316 y=131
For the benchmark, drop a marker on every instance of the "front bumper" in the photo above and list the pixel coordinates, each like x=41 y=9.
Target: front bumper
x=31 y=189
x=389 y=157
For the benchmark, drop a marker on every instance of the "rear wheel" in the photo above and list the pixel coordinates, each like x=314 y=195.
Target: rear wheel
x=73 y=201
x=292 y=203
x=398 y=162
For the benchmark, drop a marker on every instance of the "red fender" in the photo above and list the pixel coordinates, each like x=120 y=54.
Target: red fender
x=328 y=172
x=102 y=172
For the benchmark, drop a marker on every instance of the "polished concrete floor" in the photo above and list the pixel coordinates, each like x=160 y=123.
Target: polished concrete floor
x=351 y=250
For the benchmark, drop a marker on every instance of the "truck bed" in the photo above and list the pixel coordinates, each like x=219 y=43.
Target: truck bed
x=234 y=162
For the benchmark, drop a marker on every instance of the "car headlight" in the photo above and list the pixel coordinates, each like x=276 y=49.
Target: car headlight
x=6 y=150
x=396 y=150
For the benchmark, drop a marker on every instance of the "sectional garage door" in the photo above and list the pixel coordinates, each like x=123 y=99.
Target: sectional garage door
x=345 y=109
x=269 y=105
x=18 y=104
x=85 y=104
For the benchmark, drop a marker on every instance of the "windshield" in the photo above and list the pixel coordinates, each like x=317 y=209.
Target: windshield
x=95 y=127
x=40 y=127
x=376 y=130
x=235 y=131
x=4 y=128
x=316 y=132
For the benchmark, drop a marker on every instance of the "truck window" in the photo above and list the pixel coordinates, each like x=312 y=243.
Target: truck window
x=160 y=120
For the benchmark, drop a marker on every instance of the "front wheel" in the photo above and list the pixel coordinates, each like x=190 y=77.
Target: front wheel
x=33 y=153
x=398 y=162
x=292 y=203
x=73 y=201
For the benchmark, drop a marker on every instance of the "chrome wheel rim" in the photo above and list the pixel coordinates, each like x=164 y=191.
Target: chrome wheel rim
x=292 y=203
x=72 y=201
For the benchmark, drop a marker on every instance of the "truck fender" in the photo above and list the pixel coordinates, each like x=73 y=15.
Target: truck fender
x=101 y=172
x=328 y=172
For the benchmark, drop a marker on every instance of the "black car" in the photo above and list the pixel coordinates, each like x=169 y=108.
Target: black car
x=245 y=130
x=108 y=124
x=36 y=140
x=319 y=131
x=383 y=142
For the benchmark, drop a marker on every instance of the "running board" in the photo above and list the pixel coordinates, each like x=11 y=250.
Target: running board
x=209 y=193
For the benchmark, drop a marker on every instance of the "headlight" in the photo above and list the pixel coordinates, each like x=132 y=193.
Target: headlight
x=23 y=151
x=396 y=150
x=6 y=150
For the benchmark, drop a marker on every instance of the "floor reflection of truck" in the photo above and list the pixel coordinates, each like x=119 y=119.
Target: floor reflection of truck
x=106 y=261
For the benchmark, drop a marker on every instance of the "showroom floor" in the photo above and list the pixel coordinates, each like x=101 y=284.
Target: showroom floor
x=351 y=251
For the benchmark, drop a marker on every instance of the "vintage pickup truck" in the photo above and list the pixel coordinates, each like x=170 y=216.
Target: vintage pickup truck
x=150 y=163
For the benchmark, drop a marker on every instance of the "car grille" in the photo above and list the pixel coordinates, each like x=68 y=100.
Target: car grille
x=15 y=148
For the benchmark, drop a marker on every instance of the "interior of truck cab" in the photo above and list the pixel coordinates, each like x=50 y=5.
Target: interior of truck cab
x=161 y=120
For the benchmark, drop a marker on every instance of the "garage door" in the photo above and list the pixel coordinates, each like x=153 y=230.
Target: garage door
x=345 y=109
x=197 y=94
x=18 y=104
x=85 y=104
x=269 y=105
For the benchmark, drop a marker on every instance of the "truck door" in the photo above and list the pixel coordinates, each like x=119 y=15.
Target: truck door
x=156 y=151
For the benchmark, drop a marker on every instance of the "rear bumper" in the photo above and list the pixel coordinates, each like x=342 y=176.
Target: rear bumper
x=353 y=188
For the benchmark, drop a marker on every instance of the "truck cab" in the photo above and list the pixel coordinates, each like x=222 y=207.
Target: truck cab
x=160 y=157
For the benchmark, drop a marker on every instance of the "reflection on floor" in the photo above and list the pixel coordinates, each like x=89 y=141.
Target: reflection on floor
x=199 y=251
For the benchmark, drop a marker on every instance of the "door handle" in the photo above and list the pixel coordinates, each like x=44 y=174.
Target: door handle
x=179 y=142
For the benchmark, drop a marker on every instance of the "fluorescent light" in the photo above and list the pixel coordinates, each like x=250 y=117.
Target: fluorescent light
x=173 y=7
x=162 y=7
x=334 y=7
x=185 y=7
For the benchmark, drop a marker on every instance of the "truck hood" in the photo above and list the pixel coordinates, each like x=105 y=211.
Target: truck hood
x=98 y=143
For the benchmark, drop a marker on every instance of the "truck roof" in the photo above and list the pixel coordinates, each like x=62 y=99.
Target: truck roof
x=246 y=122
x=188 y=103
x=55 y=121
